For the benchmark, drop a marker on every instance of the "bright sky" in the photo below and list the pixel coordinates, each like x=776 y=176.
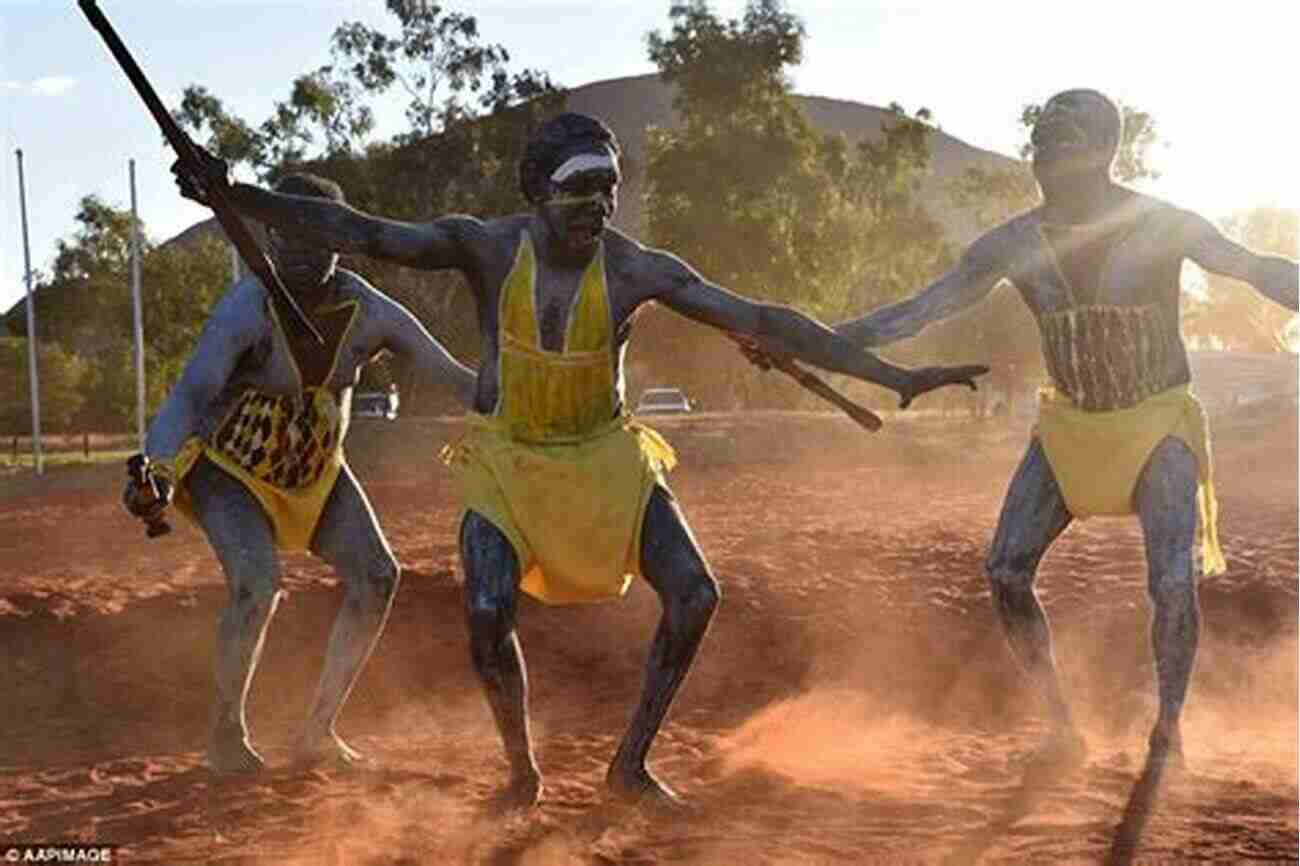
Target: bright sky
x=1215 y=80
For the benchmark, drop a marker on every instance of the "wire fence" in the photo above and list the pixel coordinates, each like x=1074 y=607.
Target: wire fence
x=17 y=449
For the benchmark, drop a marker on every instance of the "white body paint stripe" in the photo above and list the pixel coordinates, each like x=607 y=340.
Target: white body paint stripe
x=580 y=163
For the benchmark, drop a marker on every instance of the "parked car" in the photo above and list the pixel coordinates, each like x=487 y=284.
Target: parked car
x=662 y=401
x=376 y=404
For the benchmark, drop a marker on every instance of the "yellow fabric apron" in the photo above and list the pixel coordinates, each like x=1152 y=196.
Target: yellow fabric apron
x=562 y=477
x=1097 y=457
x=288 y=452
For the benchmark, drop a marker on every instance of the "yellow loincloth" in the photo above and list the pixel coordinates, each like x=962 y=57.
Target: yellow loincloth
x=556 y=467
x=1097 y=457
x=313 y=460
x=572 y=511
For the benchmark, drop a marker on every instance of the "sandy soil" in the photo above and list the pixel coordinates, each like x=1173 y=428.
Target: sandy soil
x=854 y=701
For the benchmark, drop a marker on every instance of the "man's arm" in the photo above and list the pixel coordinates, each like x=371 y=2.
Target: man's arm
x=1276 y=277
x=980 y=269
x=340 y=227
x=231 y=329
x=782 y=331
x=405 y=336
x=433 y=245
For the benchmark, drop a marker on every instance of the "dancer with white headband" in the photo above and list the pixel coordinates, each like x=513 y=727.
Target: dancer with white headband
x=565 y=497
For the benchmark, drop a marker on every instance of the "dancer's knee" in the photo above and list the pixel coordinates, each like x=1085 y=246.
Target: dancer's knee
x=700 y=599
x=489 y=627
x=688 y=613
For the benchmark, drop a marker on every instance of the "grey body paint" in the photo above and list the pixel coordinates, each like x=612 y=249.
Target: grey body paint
x=240 y=350
x=1092 y=242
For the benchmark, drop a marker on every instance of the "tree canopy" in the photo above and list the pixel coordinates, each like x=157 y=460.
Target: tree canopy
x=749 y=192
x=744 y=188
x=85 y=311
x=62 y=375
x=435 y=57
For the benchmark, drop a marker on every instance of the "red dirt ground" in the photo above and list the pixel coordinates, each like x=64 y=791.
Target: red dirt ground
x=854 y=701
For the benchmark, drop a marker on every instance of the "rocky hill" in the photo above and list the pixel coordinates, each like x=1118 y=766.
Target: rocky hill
x=630 y=105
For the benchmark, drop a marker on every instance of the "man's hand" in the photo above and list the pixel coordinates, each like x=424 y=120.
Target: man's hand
x=147 y=494
x=195 y=181
x=925 y=379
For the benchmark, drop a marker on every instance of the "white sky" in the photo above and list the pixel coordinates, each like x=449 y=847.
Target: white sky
x=1216 y=80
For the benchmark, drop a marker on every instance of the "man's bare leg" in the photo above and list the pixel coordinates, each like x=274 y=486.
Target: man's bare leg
x=1165 y=497
x=673 y=564
x=244 y=544
x=349 y=539
x=491 y=593
x=1033 y=516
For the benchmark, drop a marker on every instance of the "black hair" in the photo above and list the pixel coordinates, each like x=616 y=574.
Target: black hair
x=1110 y=121
x=555 y=141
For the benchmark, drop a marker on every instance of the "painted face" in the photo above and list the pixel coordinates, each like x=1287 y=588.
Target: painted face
x=303 y=264
x=582 y=196
x=1074 y=132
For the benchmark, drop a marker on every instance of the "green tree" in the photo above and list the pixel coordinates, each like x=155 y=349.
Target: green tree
x=90 y=287
x=435 y=56
x=179 y=285
x=1232 y=315
x=85 y=307
x=742 y=189
x=108 y=388
x=900 y=246
x=61 y=374
x=432 y=49
x=992 y=196
x=91 y=272
x=750 y=193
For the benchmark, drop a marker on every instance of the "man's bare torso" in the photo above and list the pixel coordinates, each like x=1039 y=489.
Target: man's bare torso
x=632 y=277
x=1131 y=260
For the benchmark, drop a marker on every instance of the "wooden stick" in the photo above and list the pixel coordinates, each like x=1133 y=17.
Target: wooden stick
x=239 y=235
x=864 y=416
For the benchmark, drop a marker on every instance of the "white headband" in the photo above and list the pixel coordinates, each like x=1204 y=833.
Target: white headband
x=582 y=162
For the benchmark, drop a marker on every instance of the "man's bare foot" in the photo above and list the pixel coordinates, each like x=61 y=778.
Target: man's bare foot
x=328 y=751
x=523 y=792
x=231 y=754
x=639 y=787
x=1061 y=751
